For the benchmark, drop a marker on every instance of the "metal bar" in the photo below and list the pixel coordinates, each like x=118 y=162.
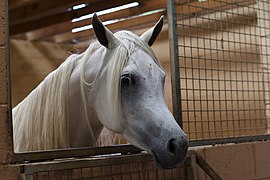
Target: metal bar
x=229 y=140
x=67 y=153
x=173 y=41
x=206 y=167
x=31 y=168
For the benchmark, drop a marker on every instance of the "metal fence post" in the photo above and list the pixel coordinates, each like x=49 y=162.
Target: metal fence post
x=173 y=40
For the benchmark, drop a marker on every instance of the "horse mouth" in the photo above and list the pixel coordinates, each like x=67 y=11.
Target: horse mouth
x=155 y=157
x=160 y=164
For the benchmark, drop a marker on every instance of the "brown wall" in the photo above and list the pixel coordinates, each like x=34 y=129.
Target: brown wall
x=244 y=161
x=7 y=171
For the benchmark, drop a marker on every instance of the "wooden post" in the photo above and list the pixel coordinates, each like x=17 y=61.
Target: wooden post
x=264 y=42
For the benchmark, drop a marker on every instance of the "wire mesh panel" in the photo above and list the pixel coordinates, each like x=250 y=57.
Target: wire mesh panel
x=131 y=167
x=221 y=68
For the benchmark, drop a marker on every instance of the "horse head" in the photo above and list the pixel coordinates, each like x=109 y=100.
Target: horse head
x=141 y=114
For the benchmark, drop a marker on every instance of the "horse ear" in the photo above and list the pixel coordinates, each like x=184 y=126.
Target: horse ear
x=103 y=34
x=151 y=35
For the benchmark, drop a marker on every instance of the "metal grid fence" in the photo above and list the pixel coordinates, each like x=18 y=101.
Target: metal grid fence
x=220 y=69
x=128 y=167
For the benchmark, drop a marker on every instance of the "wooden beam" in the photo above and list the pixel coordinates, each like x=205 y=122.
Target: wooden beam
x=122 y=24
x=188 y=9
x=68 y=26
x=42 y=9
x=12 y=4
x=16 y=28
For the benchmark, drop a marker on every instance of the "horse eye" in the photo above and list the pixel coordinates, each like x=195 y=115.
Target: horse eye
x=127 y=80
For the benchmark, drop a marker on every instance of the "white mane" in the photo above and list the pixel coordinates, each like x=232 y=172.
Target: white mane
x=44 y=112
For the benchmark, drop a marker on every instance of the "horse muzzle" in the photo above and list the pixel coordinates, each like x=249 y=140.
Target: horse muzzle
x=173 y=154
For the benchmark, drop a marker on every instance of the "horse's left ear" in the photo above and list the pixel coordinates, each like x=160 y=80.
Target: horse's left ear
x=151 y=35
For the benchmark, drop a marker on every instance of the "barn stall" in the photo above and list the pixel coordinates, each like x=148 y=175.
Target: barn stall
x=219 y=79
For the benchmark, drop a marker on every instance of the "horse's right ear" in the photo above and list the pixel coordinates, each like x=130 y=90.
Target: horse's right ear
x=103 y=34
x=151 y=35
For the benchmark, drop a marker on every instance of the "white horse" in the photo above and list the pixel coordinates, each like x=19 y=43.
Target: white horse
x=117 y=83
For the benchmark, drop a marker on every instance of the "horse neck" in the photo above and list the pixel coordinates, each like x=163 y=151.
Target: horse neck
x=83 y=121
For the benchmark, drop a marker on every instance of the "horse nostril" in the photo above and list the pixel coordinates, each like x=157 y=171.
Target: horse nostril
x=177 y=147
x=172 y=146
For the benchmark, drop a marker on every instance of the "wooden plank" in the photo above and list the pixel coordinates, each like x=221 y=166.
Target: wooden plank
x=42 y=9
x=12 y=4
x=64 y=16
x=68 y=26
x=122 y=24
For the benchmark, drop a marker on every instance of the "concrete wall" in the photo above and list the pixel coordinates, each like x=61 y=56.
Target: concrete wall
x=7 y=171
